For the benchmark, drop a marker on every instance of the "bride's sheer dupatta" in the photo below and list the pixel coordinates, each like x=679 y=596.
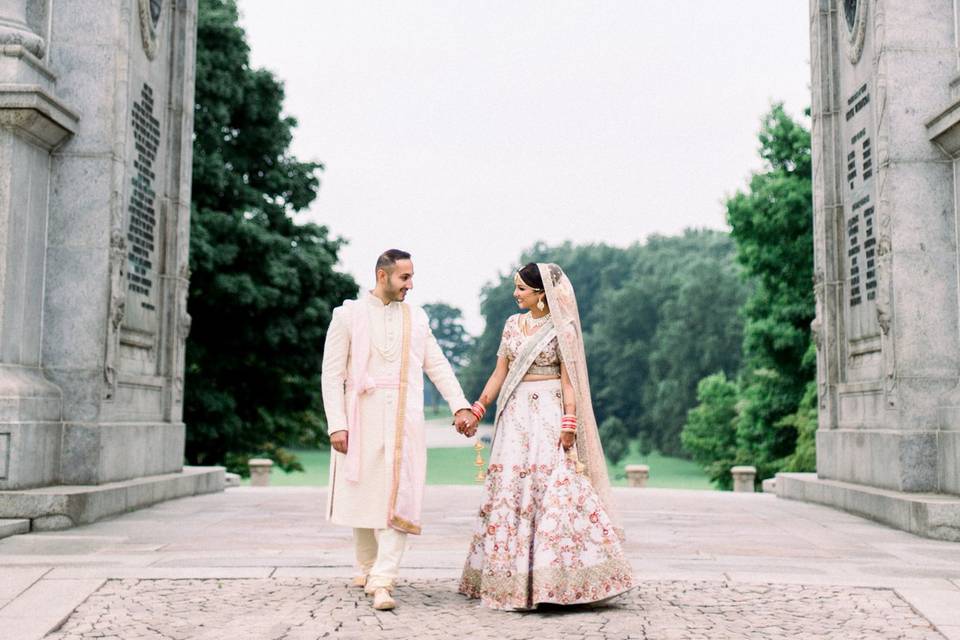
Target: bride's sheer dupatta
x=566 y=321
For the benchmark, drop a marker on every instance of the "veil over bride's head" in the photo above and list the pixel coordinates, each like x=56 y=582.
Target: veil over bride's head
x=566 y=320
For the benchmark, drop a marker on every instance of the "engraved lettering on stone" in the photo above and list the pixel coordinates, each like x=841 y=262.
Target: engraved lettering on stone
x=142 y=221
x=857 y=102
x=861 y=229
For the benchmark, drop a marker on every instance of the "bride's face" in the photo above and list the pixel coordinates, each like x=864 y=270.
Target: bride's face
x=526 y=297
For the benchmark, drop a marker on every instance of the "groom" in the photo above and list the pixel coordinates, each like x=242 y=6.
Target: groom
x=376 y=351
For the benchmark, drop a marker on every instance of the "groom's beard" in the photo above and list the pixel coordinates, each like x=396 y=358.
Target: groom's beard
x=396 y=295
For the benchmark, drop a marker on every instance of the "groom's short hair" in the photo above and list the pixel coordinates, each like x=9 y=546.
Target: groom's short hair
x=389 y=258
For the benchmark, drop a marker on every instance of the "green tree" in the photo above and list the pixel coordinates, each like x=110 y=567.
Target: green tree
x=672 y=322
x=263 y=286
x=592 y=268
x=615 y=439
x=710 y=434
x=446 y=322
x=772 y=224
x=657 y=317
x=804 y=423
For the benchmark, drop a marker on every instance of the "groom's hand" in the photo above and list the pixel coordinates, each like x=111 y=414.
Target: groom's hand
x=338 y=440
x=465 y=422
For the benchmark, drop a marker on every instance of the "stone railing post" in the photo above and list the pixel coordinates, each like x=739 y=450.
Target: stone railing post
x=260 y=471
x=637 y=475
x=743 y=478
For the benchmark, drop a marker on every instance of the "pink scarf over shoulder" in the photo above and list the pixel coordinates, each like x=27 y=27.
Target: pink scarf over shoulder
x=409 y=455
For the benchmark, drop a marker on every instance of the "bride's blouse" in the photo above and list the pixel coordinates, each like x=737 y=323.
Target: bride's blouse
x=547 y=361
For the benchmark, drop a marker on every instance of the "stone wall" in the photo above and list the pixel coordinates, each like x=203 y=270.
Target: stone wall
x=96 y=105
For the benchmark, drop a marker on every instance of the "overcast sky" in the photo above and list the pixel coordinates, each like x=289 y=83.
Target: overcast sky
x=465 y=131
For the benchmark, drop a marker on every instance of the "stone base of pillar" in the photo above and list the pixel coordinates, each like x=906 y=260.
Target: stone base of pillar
x=65 y=506
x=932 y=515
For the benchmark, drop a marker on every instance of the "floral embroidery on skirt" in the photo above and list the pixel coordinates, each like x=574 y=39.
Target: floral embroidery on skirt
x=542 y=534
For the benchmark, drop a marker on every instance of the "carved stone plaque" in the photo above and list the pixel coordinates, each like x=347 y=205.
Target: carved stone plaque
x=142 y=221
x=859 y=189
x=150 y=13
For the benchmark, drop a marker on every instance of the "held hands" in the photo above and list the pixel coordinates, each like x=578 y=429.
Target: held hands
x=465 y=422
x=338 y=440
x=568 y=439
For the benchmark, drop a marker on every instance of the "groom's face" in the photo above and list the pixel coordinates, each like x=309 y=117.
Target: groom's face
x=399 y=280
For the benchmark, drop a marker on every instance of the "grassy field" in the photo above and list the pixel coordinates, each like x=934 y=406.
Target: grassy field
x=455 y=466
x=665 y=472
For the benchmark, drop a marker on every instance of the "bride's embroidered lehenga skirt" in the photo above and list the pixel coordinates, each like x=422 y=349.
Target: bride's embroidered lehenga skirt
x=542 y=534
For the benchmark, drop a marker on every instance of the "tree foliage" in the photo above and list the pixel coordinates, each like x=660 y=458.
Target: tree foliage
x=674 y=320
x=710 y=434
x=263 y=285
x=772 y=225
x=446 y=323
x=657 y=317
x=615 y=439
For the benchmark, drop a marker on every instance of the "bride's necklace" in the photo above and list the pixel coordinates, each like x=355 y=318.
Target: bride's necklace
x=531 y=325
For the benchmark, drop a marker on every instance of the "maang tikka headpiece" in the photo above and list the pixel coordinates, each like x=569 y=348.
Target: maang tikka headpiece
x=518 y=279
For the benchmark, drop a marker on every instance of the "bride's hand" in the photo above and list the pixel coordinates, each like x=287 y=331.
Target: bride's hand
x=567 y=439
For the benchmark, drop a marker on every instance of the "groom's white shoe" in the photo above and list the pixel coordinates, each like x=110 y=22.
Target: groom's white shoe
x=382 y=600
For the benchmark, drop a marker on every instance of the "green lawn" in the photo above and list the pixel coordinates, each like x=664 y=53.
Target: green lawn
x=665 y=472
x=455 y=466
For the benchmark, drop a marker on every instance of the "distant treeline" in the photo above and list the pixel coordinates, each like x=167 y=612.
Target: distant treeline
x=657 y=318
x=700 y=343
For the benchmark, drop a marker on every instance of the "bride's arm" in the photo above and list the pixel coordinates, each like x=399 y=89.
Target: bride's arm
x=495 y=381
x=569 y=394
x=567 y=438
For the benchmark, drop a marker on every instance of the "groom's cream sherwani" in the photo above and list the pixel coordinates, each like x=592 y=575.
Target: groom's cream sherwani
x=366 y=502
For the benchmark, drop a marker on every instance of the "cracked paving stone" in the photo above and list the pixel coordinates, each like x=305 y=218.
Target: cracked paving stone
x=304 y=609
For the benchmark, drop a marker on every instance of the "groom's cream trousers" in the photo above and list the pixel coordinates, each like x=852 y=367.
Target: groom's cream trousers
x=378 y=555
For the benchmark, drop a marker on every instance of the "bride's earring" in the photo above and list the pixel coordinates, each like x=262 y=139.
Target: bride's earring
x=540 y=304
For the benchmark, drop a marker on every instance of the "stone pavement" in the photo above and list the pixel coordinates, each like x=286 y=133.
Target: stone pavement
x=262 y=564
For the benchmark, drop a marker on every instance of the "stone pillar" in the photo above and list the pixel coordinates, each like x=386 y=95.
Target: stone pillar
x=115 y=316
x=885 y=253
x=260 y=471
x=96 y=120
x=34 y=124
x=743 y=479
x=637 y=474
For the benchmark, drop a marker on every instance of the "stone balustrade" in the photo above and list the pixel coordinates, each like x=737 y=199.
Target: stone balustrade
x=260 y=471
x=743 y=478
x=637 y=475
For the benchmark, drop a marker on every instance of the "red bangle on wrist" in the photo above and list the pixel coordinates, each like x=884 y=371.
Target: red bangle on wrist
x=478 y=410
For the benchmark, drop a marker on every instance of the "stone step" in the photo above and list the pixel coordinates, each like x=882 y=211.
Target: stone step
x=932 y=515
x=11 y=527
x=64 y=506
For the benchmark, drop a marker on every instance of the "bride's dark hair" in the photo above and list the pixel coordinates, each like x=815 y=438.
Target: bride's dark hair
x=530 y=274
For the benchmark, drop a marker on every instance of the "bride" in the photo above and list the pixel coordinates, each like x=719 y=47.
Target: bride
x=545 y=532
